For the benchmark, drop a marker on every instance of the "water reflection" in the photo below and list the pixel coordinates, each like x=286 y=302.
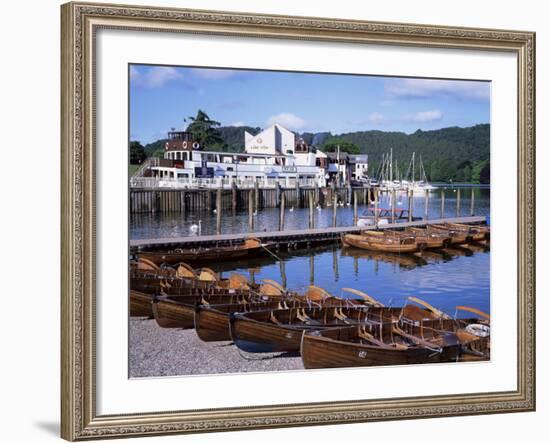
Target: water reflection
x=445 y=278
x=176 y=224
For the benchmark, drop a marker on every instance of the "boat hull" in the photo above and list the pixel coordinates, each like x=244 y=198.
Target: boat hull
x=361 y=242
x=320 y=352
x=252 y=336
x=141 y=304
x=170 y=314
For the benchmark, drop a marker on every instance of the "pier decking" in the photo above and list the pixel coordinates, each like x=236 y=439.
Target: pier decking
x=288 y=237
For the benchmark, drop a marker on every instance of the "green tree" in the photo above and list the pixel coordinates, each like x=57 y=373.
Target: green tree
x=137 y=153
x=204 y=129
x=345 y=146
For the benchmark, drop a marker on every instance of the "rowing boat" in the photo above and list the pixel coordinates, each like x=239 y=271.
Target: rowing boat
x=179 y=311
x=408 y=341
x=473 y=232
x=212 y=321
x=385 y=243
x=429 y=238
x=377 y=344
x=250 y=247
x=140 y=304
x=281 y=330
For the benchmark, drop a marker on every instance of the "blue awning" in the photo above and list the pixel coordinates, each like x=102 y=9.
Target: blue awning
x=332 y=167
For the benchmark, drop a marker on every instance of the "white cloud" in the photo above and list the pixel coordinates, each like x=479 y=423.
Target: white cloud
x=375 y=118
x=287 y=120
x=214 y=74
x=424 y=116
x=425 y=88
x=154 y=77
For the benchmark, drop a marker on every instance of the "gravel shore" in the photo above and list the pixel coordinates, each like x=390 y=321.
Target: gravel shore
x=155 y=351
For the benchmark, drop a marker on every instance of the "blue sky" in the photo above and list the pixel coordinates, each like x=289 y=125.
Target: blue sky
x=161 y=97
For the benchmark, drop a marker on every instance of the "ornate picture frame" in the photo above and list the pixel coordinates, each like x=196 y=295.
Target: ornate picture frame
x=80 y=22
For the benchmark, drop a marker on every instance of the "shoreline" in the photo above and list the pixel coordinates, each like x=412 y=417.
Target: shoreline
x=156 y=351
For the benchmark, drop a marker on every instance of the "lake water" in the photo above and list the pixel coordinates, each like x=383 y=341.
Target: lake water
x=145 y=225
x=445 y=278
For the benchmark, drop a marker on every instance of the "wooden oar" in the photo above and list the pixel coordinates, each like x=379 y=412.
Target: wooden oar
x=474 y=311
x=417 y=340
x=429 y=307
x=364 y=296
x=371 y=339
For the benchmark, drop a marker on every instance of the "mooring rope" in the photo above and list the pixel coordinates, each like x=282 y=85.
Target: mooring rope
x=273 y=254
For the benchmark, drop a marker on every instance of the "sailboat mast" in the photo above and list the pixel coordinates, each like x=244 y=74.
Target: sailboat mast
x=413 y=168
x=391 y=164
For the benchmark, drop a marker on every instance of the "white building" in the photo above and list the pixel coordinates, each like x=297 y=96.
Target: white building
x=273 y=140
x=271 y=157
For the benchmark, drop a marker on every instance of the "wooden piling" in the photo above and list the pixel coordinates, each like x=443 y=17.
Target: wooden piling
x=334 y=207
x=375 y=206
x=312 y=269
x=256 y=196
x=410 y=204
x=219 y=211
x=426 y=200
x=393 y=205
x=458 y=202
x=282 y=211
x=442 y=204
x=472 y=197
x=282 y=270
x=234 y=197
x=311 y=195
x=251 y=210
x=355 y=218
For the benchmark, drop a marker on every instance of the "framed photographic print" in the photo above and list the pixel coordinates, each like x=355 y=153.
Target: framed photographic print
x=282 y=221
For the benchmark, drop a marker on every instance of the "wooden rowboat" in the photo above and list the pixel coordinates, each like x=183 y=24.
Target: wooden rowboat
x=179 y=311
x=457 y=237
x=250 y=247
x=431 y=239
x=281 y=330
x=140 y=304
x=408 y=341
x=377 y=344
x=393 y=244
x=177 y=307
x=473 y=232
x=212 y=321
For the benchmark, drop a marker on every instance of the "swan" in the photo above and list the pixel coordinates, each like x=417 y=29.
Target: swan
x=195 y=229
x=214 y=211
x=291 y=209
x=319 y=207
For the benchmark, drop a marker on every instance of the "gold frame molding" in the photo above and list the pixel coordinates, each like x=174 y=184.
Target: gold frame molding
x=79 y=23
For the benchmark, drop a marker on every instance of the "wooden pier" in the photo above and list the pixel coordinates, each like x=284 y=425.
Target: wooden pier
x=287 y=238
x=165 y=200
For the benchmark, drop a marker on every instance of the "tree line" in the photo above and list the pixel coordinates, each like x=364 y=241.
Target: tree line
x=448 y=154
